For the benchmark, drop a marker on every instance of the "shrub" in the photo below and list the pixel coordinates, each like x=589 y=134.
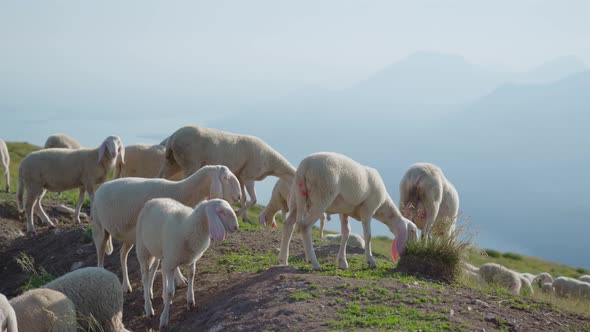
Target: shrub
x=493 y=253
x=513 y=256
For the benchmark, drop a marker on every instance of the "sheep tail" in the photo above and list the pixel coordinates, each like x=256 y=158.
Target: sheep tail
x=20 y=193
x=301 y=196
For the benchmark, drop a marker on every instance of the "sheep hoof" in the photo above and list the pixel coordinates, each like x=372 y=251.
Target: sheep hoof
x=190 y=305
x=316 y=268
x=31 y=233
x=371 y=263
x=126 y=289
x=180 y=283
x=343 y=264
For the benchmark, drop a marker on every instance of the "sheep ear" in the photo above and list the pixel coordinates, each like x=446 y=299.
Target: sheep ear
x=122 y=152
x=101 y=150
x=216 y=228
x=216 y=190
x=398 y=247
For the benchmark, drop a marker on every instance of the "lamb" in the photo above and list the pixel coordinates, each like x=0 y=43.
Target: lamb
x=334 y=183
x=61 y=141
x=354 y=240
x=142 y=161
x=570 y=287
x=5 y=163
x=63 y=169
x=539 y=279
x=118 y=202
x=429 y=199
x=44 y=309
x=279 y=200
x=585 y=278
x=493 y=273
x=175 y=234
x=248 y=157
x=8 y=320
x=97 y=296
x=547 y=287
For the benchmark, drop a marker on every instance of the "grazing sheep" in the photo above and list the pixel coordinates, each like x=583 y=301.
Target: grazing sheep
x=542 y=278
x=429 y=199
x=44 y=309
x=61 y=141
x=118 y=202
x=248 y=157
x=142 y=161
x=8 y=320
x=177 y=235
x=64 y=169
x=493 y=273
x=5 y=163
x=334 y=183
x=354 y=240
x=528 y=276
x=547 y=287
x=585 y=278
x=570 y=287
x=279 y=200
x=97 y=296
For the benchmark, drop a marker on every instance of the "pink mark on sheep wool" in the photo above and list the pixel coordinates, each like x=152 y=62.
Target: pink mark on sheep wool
x=302 y=190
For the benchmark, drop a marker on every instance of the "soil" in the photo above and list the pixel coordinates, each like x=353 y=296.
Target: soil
x=255 y=301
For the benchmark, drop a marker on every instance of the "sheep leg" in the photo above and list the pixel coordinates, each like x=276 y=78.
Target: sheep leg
x=306 y=228
x=344 y=234
x=40 y=212
x=367 y=236
x=252 y=192
x=153 y=270
x=125 y=248
x=79 y=205
x=288 y=225
x=168 y=295
x=179 y=279
x=31 y=196
x=7 y=176
x=190 y=292
x=145 y=262
x=322 y=220
x=431 y=208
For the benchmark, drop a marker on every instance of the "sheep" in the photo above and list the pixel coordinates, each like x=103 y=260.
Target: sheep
x=8 y=320
x=44 y=309
x=118 y=202
x=97 y=296
x=175 y=234
x=334 y=183
x=279 y=201
x=63 y=169
x=547 y=287
x=248 y=157
x=570 y=287
x=493 y=273
x=61 y=141
x=429 y=199
x=542 y=278
x=354 y=240
x=585 y=278
x=142 y=161
x=5 y=163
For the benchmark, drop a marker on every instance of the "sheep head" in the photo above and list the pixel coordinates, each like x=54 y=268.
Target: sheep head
x=113 y=147
x=220 y=218
x=224 y=184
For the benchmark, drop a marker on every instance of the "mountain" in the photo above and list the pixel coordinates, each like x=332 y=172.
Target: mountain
x=552 y=71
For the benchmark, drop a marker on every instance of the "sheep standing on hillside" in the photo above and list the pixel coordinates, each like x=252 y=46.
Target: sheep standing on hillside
x=118 y=202
x=539 y=279
x=61 y=141
x=177 y=235
x=97 y=296
x=5 y=163
x=585 y=278
x=142 y=161
x=429 y=199
x=570 y=287
x=64 y=169
x=44 y=309
x=279 y=200
x=248 y=157
x=8 y=320
x=334 y=183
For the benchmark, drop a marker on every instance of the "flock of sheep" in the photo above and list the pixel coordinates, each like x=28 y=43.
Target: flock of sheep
x=171 y=199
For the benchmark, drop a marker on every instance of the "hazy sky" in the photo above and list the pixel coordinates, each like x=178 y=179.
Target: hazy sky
x=291 y=44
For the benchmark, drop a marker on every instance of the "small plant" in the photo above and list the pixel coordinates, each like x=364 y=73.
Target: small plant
x=512 y=256
x=35 y=277
x=493 y=253
x=581 y=270
x=87 y=235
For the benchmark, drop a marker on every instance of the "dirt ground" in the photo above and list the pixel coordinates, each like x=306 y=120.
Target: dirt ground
x=265 y=300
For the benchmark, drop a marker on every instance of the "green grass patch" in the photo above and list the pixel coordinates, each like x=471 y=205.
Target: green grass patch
x=513 y=256
x=35 y=277
x=244 y=261
x=493 y=253
x=301 y=296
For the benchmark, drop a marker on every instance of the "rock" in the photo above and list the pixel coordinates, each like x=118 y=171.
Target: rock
x=481 y=303
x=407 y=286
x=469 y=308
x=452 y=313
x=76 y=266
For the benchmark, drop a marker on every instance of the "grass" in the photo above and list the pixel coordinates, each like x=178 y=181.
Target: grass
x=35 y=277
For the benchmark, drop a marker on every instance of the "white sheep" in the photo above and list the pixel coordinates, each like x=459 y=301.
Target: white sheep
x=493 y=273
x=585 y=278
x=97 y=296
x=248 y=157
x=142 y=161
x=44 y=309
x=63 y=169
x=8 y=320
x=61 y=141
x=177 y=235
x=334 y=183
x=542 y=278
x=547 y=287
x=117 y=204
x=354 y=240
x=5 y=163
x=279 y=200
x=429 y=199
x=570 y=287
